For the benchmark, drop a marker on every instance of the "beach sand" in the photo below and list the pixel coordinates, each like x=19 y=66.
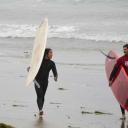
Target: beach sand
x=79 y=89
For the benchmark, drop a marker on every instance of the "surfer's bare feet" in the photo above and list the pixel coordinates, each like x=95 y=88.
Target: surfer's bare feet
x=40 y=112
x=123 y=117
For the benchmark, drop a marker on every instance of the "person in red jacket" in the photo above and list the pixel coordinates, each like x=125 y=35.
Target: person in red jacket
x=124 y=62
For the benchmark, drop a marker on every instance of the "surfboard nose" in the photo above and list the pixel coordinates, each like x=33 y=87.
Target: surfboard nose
x=43 y=21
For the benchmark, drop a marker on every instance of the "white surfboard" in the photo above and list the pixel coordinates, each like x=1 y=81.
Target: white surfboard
x=38 y=50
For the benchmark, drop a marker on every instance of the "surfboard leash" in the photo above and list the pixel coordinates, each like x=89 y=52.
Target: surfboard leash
x=107 y=55
x=36 y=83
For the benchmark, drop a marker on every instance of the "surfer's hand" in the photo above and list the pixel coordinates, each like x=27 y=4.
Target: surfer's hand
x=28 y=69
x=110 y=83
x=55 y=78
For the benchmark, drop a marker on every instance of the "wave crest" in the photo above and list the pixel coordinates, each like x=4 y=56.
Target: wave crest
x=61 y=32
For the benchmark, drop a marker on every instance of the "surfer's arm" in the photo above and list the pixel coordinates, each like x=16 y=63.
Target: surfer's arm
x=54 y=71
x=113 y=73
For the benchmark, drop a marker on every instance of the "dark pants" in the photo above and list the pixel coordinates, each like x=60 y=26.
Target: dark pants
x=122 y=110
x=41 y=93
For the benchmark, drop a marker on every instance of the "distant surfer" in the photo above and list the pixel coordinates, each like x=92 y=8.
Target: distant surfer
x=124 y=62
x=41 y=79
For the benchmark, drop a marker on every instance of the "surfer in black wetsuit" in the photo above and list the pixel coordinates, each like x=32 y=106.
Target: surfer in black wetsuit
x=42 y=78
x=124 y=62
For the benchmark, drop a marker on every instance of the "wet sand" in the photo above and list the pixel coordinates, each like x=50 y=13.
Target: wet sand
x=83 y=89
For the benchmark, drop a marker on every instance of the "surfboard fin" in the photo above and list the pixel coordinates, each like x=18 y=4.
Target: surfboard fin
x=107 y=55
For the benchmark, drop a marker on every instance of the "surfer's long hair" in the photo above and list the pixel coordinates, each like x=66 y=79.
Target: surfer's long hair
x=47 y=51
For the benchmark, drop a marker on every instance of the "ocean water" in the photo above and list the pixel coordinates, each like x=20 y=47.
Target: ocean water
x=77 y=29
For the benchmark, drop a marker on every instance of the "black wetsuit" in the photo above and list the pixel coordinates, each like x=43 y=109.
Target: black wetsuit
x=42 y=79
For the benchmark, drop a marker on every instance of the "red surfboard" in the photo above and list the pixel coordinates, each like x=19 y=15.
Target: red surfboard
x=120 y=82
